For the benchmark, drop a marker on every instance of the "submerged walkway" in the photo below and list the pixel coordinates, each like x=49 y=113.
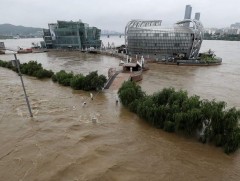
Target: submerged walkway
x=110 y=81
x=119 y=79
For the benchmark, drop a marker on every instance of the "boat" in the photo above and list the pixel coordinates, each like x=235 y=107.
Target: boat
x=92 y=50
x=27 y=50
x=37 y=49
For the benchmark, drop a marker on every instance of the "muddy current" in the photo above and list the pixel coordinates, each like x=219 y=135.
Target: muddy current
x=62 y=143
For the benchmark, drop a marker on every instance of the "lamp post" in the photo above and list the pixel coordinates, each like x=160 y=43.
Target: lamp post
x=16 y=63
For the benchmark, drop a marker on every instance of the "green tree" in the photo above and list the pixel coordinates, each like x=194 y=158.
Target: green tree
x=174 y=111
x=130 y=91
x=77 y=82
x=94 y=82
x=64 y=78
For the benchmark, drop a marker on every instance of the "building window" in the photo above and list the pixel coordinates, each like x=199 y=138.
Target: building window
x=177 y=34
x=176 y=45
x=165 y=34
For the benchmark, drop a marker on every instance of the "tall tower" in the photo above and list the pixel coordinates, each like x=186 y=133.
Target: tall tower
x=197 y=16
x=188 y=12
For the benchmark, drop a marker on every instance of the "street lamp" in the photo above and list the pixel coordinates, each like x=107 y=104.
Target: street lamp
x=16 y=63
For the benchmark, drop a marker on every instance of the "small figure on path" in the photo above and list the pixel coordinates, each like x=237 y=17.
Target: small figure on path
x=116 y=100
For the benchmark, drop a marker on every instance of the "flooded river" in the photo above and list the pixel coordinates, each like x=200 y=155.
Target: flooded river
x=62 y=143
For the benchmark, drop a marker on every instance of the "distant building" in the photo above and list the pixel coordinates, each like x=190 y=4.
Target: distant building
x=149 y=38
x=197 y=16
x=235 y=25
x=188 y=12
x=232 y=31
x=69 y=34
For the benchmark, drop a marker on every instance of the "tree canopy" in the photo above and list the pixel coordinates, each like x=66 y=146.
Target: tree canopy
x=175 y=111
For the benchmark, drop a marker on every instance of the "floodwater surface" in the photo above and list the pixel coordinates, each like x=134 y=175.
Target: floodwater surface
x=62 y=143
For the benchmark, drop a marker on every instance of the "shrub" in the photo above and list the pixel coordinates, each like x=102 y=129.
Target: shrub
x=94 y=82
x=31 y=68
x=42 y=73
x=77 y=82
x=3 y=63
x=169 y=126
x=161 y=97
x=101 y=82
x=129 y=91
x=54 y=78
x=232 y=141
x=64 y=78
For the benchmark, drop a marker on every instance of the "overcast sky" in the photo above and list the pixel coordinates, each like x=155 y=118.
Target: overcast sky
x=114 y=14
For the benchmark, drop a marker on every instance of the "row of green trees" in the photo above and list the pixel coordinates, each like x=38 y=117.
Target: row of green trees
x=92 y=81
x=32 y=68
x=175 y=111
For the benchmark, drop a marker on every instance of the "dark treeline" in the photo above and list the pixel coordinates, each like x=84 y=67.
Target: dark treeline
x=92 y=81
x=32 y=68
x=175 y=111
x=217 y=36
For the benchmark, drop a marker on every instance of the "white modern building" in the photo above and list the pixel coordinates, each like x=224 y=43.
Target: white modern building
x=149 y=38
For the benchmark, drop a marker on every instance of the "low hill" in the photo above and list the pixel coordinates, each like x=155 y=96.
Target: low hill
x=12 y=30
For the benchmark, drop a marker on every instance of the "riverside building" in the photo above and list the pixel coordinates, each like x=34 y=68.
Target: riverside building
x=72 y=35
x=150 y=39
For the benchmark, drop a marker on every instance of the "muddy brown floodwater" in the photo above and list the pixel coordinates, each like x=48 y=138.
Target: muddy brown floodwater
x=62 y=143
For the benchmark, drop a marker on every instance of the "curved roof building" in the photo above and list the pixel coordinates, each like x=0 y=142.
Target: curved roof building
x=151 y=39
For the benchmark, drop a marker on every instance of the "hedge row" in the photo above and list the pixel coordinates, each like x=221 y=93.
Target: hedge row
x=92 y=81
x=175 y=111
x=31 y=68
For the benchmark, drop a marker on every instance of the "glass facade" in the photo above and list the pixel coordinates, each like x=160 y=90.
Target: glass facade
x=69 y=34
x=162 y=42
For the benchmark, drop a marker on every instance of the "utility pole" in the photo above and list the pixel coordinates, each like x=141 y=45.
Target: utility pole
x=16 y=63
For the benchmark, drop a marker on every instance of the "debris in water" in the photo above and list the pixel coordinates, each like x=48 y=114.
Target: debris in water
x=94 y=119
